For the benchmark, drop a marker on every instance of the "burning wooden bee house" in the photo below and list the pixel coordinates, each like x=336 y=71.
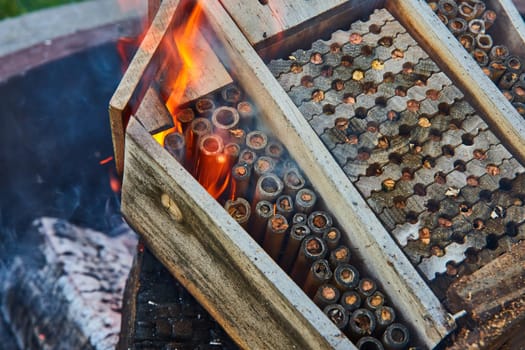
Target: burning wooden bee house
x=318 y=175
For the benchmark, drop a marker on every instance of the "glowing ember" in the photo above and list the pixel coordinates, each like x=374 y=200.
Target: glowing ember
x=106 y=160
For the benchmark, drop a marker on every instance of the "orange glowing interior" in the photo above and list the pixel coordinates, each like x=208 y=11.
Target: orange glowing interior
x=184 y=67
x=189 y=59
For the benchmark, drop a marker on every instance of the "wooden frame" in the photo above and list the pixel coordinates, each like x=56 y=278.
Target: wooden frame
x=170 y=209
x=120 y=103
x=137 y=80
x=384 y=260
x=153 y=171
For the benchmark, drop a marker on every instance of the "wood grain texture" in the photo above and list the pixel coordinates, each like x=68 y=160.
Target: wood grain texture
x=221 y=266
x=152 y=113
x=119 y=103
x=259 y=22
x=208 y=73
x=435 y=38
x=378 y=251
x=336 y=15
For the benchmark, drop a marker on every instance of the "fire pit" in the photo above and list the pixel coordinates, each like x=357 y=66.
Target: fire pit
x=208 y=126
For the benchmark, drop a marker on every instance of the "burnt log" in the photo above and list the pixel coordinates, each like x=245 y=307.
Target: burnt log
x=71 y=296
x=158 y=312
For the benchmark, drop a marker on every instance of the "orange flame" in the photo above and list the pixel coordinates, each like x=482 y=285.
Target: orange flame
x=114 y=182
x=189 y=58
x=106 y=160
x=160 y=136
x=126 y=46
x=184 y=65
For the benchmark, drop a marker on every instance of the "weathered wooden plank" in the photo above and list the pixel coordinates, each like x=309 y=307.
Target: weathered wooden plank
x=208 y=73
x=259 y=22
x=191 y=234
x=153 y=8
x=153 y=114
x=283 y=26
x=119 y=109
x=435 y=38
x=378 y=252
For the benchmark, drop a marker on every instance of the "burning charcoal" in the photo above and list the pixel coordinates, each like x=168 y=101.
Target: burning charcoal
x=247 y=157
x=297 y=233
x=237 y=136
x=274 y=149
x=489 y=17
x=366 y=287
x=246 y=113
x=184 y=118
x=319 y=222
x=484 y=42
x=385 y=316
x=375 y=301
x=332 y=237
x=263 y=165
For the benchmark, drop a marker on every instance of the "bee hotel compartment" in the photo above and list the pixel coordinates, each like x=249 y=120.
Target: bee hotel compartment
x=215 y=259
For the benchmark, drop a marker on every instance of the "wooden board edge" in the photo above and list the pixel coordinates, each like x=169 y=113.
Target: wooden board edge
x=437 y=41
x=117 y=134
x=262 y=22
x=119 y=102
x=271 y=295
x=423 y=310
x=314 y=28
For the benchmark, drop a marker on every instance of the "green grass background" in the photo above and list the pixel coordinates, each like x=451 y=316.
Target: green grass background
x=11 y=8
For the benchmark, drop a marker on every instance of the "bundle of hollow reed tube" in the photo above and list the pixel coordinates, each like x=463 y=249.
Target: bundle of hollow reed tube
x=221 y=142
x=471 y=22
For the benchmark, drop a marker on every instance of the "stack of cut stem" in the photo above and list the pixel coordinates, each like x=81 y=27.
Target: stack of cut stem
x=262 y=188
x=471 y=22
